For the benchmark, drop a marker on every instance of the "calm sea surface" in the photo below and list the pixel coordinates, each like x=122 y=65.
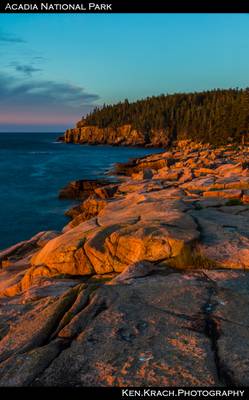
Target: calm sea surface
x=34 y=167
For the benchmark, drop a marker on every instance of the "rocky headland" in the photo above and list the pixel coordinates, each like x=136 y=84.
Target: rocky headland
x=124 y=135
x=147 y=285
x=217 y=116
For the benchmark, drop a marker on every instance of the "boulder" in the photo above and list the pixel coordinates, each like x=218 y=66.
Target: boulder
x=65 y=254
x=90 y=208
x=226 y=194
x=201 y=184
x=25 y=248
x=106 y=192
x=81 y=189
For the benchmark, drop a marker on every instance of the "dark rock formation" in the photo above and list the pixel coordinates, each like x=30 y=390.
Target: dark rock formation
x=81 y=189
x=60 y=139
x=142 y=164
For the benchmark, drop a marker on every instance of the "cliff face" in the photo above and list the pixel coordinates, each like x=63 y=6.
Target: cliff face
x=124 y=135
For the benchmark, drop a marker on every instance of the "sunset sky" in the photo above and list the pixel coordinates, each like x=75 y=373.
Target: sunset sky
x=55 y=68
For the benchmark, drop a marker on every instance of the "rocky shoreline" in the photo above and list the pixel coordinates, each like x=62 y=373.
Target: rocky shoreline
x=147 y=285
x=124 y=135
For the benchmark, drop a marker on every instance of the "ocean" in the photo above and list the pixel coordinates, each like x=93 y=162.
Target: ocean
x=34 y=167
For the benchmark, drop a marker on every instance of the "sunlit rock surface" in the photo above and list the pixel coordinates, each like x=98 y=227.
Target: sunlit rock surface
x=147 y=285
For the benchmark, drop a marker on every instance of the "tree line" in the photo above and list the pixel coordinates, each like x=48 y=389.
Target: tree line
x=217 y=116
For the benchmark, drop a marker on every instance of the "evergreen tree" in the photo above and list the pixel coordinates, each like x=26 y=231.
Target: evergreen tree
x=216 y=116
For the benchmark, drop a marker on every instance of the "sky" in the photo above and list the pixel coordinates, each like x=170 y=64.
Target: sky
x=55 y=68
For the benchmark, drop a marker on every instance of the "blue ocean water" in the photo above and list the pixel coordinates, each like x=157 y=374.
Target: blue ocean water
x=34 y=167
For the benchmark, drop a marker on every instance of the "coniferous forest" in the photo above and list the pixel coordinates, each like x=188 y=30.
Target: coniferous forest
x=217 y=116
